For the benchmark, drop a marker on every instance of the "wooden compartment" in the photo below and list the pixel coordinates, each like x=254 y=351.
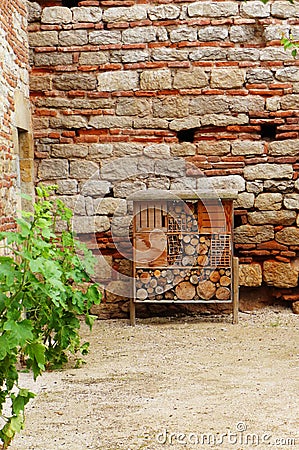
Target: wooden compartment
x=183 y=248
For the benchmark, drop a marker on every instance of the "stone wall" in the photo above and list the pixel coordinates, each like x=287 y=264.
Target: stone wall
x=130 y=95
x=14 y=108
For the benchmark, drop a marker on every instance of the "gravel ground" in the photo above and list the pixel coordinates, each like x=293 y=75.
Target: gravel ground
x=192 y=382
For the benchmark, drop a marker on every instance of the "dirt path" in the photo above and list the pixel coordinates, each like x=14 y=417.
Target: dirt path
x=172 y=384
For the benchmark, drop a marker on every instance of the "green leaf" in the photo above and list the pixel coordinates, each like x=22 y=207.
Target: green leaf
x=19 y=332
x=20 y=401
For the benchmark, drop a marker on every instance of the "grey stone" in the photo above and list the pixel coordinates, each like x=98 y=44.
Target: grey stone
x=74 y=81
x=186 y=80
x=88 y=14
x=129 y=56
x=248 y=103
x=51 y=169
x=157 y=151
x=126 y=188
x=104 y=122
x=247 y=234
x=120 y=226
x=279 y=274
x=247 y=148
x=212 y=33
x=266 y=171
x=171 y=107
x=162 y=12
x=69 y=150
x=291 y=201
x=67 y=187
x=290 y=101
x=255 y=9
x=227 y=182
x=250 y=275
x=183 y=184
x=40 y=83
x=174 y=167
x=183 y=149
x=288 y=236
x=243 y=54
x=127 y=149
x=183 y=33
x=124 y=14
x=222 y=120
x=100 y=151
x=227 y=78
x=209 y=104
x=214 y=54
x=73 y=37
x=279 y=186
x=43 y=39
x=118 y=81
x=288 y=147
x=103 y=267
x=56 y=15
x=155 y=79
x=212 y=148
x=146 y=166
x=104 y=37
x=86 y=224
x=120 y=169
x=75 y=203
x=245 y=200
x=130 y=106
x=185 y=124
x=110 y=206
x=272 y=217
x=83 y=169
x=150 y=123
x=242 y=33
x=275 y=32
x=139 y=35
x=158 y=183
x=259 y=75
x=297 y=184
x=283 y=10
x=288 y=74
x=68 y=122
x=268 y=201
x=169 y=54
x=52 y=59
x=93 y=58
x=275 y=54
x=34 y=11
x=95 y=188
x=273 y=103
x=213 y=9
x=254 y=186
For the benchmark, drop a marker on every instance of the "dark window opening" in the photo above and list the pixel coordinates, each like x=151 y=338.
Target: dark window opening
x=238 y=221
x=186 y=135
x=70 y=3
x=268 y=130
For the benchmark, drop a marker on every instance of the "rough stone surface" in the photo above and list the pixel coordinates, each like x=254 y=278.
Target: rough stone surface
x=157 y=151
x=227 y=78
x=295 y=307
x=83 y=169
x=213 y=9
x=198 y=78
x=155 y=80
x=95 y=188
x=288 y=236
x=51 y=169
x=250 y=275
x=279 y=274
x=56 y=15
x=272 y=217
x=244 y=200
x=266 y=171
x=289 y=147
x=217 y=148
x=268 y=201
x=231 y=182
x=246 y=234
x=291 y=201
x=118 y=81
x=247 y=148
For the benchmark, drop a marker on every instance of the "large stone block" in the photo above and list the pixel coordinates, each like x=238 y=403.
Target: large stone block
x=100 y=151
x=68 y=122
x=250 y=275
x=248 y=103
x=268 y=201
x=183 y=33
x=169 y=54
x=243 y=54
x=284 y=9
x=183 y=149
x=272 y=217
x=104 y=37
x=93 y=58
x=247 y=234
x=227 y=78
x=245 y=200
x=110 y=206
x=34 y=11
x=43 y=39
x=212 y=148
x=107 y=122
x=118 y=81
x=171 y=107
x=255 y=9
x=274 y=32
x=88 y=14
x=56 y=15
x=227 y=182
x=69 y=150
x=124 y=14
x=75 y=203
x=185 y=124
x=53 y=59
x=254 y=186
x=139 y=35
x=155 y=79
x=208 y=54
x=121 y=149
x=185 y=80
x=83 y=170
x=279 y=274
x=126 y=188
x=243 y=33
x=290 y=73
x=172 y=168
x=290 y=101
x=73 y=37
x=52 y=169
x=288 y=236
x=67 y=187
x=288 y=147
x=275 y=54
x=213 y=9
x=120 y=169
x=223 y=120
x=247 y=148
x=255 y=76
x=73 y=81
x=279 y=186
x=266 y=171
x=164 y=12
x=209 y=104
x=152 y=123
x=129 y=56
x=40 y=83
x=291 y=201
x=87 y=224
x=120 y=226
x=129 y=106
x=211 y=33
x=95 y=188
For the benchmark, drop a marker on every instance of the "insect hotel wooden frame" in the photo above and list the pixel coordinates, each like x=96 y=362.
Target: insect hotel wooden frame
x=183 y=249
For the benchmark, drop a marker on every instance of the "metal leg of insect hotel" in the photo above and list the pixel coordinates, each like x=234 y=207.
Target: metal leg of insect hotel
x=235 y=290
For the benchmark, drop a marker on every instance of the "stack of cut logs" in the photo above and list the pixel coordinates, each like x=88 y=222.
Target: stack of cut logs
x=181 y=217
x=180 y=284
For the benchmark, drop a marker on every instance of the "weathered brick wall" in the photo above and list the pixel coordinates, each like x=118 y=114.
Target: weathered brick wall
x=14 y=109
x=177 y=89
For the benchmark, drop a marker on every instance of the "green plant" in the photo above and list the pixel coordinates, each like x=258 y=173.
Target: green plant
x=44 y=286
